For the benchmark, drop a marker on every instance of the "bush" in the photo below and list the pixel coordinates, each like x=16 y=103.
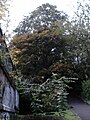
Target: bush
x=51 y=96
x=86 y=90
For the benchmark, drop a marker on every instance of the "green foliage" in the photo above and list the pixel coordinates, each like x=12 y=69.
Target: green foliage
x=44 y=15
x=5 y=57
x=39 y=54
x=69 y=115
x=86 y=90
x=6 y=61
x=62 y=48
x=81 y=31
x=48 y=97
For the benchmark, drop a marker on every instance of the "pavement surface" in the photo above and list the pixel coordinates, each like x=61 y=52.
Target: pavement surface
x=79 y=107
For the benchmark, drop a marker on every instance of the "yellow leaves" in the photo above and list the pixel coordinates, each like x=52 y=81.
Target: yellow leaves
x=3 y=8
x=14 y=53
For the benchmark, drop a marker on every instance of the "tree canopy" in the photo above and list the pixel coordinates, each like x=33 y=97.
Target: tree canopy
x=38 y=55
x=48 y=43
x=45 y=14
x=37 y=52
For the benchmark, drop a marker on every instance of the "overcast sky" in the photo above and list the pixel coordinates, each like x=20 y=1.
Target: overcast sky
x=20 y=8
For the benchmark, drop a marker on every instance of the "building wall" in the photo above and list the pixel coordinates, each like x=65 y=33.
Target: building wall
x=9 y=98
x=7 y=116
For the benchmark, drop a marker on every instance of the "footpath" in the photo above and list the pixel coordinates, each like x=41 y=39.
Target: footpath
x=80 y=108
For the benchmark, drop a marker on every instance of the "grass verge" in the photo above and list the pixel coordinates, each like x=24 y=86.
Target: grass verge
x=69 y=115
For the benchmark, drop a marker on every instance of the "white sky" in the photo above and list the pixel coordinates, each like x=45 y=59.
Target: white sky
x=20 y=8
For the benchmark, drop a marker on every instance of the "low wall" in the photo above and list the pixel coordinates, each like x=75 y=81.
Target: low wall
x=27 y=117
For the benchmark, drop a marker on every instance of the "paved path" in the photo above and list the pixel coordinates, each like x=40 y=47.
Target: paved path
x=80 y=108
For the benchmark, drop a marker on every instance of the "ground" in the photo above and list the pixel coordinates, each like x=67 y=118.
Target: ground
x=79 y=107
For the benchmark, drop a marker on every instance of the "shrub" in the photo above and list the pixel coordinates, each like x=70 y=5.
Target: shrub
x=49 y=97
x=86 y=89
